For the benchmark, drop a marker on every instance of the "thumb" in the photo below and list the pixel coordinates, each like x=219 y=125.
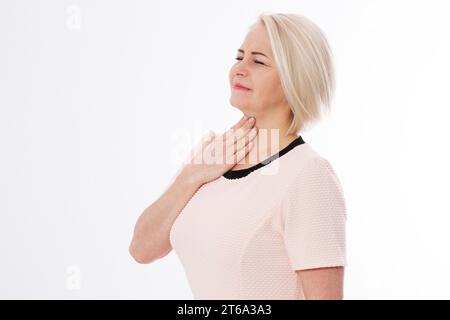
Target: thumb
x=197 y=153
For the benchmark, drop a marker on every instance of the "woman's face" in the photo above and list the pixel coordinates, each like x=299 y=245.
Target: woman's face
x=256 y=71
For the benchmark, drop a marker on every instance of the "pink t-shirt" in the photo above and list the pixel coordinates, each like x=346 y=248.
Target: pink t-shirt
x=244 y=235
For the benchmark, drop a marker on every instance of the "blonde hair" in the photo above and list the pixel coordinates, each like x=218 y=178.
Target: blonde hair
x=303 y=59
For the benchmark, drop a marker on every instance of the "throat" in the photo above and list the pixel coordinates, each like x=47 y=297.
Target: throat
x=262 y=151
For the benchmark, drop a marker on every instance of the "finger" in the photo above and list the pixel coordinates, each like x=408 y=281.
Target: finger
x=240 y=123
x=231 y=136
x=209 y=137
x=196 y=155
x=243 y=131
x=243 y=141
x=241 y=155
x=238 y=145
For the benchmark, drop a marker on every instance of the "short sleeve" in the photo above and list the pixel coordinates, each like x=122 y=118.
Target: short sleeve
x=314 y=218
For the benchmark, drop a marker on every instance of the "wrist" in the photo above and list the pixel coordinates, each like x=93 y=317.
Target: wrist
x=189 y=177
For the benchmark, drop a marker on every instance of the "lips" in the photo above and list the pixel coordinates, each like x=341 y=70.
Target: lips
x=240 y=86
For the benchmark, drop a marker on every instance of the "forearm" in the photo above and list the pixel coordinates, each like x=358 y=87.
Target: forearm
x=151 y=233
x=322 y=283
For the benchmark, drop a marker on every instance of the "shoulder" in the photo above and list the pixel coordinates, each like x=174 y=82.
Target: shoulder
x=315 y=177
x=308 y=162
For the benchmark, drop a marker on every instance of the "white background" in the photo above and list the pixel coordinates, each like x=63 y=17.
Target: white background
x=93 y=95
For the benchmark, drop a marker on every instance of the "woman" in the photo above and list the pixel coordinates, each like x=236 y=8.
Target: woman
x=273 y=228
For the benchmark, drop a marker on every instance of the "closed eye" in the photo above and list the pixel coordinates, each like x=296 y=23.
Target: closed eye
x=256 y=61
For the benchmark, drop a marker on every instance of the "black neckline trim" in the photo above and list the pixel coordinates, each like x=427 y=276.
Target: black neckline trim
x=236 y=174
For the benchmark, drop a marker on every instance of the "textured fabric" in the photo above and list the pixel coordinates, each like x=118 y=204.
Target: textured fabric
x=245 y=238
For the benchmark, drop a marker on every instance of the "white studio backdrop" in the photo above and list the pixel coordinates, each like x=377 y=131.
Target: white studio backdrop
x=96 y=95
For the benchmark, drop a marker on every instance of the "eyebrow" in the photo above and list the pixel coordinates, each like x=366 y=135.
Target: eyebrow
x=254 y=52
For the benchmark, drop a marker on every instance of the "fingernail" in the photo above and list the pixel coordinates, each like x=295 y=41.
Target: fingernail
x=245 y=116
x=251 y=120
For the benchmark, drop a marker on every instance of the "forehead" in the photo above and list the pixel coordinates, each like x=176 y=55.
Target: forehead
x=257 y=39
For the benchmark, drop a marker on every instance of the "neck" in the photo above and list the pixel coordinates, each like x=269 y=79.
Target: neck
x=272 y=137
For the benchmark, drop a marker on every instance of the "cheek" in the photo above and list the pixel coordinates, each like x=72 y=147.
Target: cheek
x=268 y=88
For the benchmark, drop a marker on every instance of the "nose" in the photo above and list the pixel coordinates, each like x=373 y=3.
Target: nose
x=241 y=69
x=240 y=72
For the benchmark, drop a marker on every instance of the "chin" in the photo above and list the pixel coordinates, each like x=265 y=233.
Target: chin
x=244 y=106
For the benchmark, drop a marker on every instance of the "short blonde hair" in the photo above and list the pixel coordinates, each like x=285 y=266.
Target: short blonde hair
x=304 y=62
